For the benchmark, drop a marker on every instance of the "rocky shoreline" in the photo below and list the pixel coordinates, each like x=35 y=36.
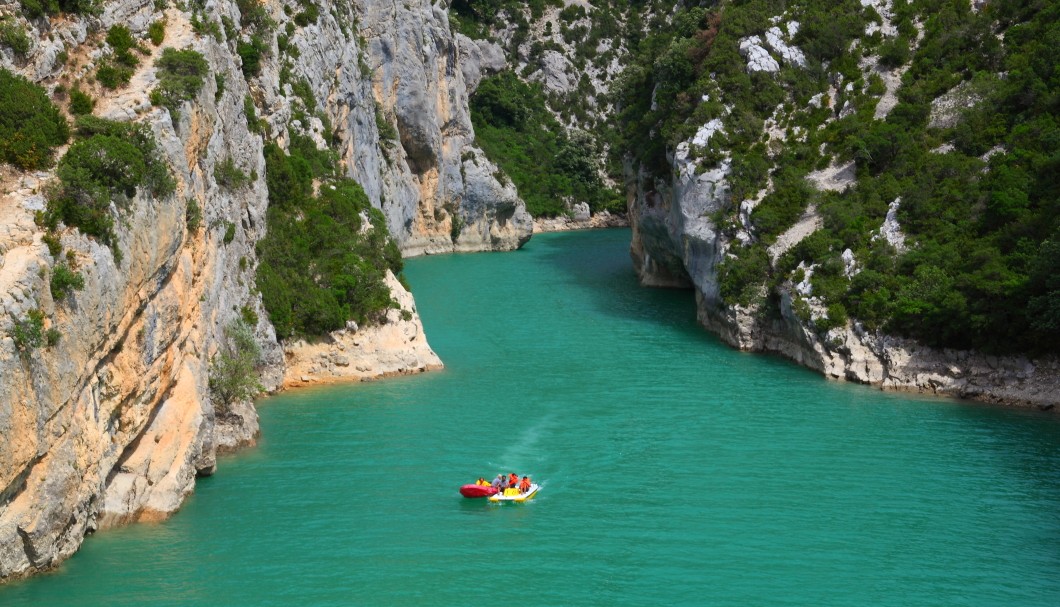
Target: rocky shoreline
x=602 y=220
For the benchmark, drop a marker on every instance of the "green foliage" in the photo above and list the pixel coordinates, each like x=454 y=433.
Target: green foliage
x=249 y=316
x=64 y=281
x=230 y=232
x=253 y=15
x=250 y=111
x=30 y=124
x=250 y=53
x=781 y=208
x=28 y=333
x=113 y=76
x=81 y=103
x=51 y=240
x=742 y=274
x=108 y=164
x=233 y=375
x=157 y=31
x=193 y=215
x=117 y=69
x=387 y=131
x=228 y=175
x=180 y=77
x=40 y=8
x=309 y=14
x=319 y=265
x=516 y=131
x=14 y=37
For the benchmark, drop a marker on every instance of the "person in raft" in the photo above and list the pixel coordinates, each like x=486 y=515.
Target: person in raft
x=513 y=480
x=482 y=482
x=500 y=483
x=524 y=485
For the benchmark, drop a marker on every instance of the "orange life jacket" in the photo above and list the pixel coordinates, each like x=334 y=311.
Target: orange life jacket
x=525 y=484
x=513 y=480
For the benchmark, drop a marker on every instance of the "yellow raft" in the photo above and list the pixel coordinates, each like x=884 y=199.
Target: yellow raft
x=514 y=495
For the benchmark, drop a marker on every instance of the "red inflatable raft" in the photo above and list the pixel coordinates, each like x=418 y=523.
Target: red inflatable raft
x=474 y=490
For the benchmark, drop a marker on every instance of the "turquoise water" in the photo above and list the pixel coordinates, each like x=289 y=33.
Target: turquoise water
x=676 y=471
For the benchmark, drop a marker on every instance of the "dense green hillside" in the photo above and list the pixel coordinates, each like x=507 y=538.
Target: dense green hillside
x=978 y=199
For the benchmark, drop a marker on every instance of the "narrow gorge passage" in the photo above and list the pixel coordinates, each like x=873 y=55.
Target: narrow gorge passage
x=676 y=471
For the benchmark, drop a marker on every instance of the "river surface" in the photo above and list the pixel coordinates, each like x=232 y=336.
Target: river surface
x=675 y=471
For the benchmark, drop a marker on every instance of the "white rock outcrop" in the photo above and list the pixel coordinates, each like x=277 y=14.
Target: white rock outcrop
x=758 y=58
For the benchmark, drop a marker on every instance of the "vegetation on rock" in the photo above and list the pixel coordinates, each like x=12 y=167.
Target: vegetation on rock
x=30 y=124
x=980 y=215
x=180 y=77
x=108 y=164
x=514 y=128
x=233 y=375
x=325 y=256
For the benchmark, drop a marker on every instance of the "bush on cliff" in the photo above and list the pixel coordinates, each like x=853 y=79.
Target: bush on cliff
x=515 y=130
x=109 y=164
x=30 y=124
x=180 y=77
x=40 y=8
x=233 y=374
x=319 y=263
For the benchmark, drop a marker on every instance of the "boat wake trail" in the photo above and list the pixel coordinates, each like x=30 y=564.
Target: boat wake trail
x=523 y=453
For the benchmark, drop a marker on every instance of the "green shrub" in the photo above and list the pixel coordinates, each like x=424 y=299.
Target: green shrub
x=781 y=208
x=122 y=42
x=80 y=102
x=233 y=370
x=742 y=274
x=109 y=164
x=387 y=131
x=251 y=112
x=14 y=37
x=180 y=77
x=113 y=76
x=250 y=54
x=51 y=240
x=64 y=281
x=40 y=8
x=249 y=316
x=309 y=14
x=30 y=124
x=229 y=176
x=28 y=333
x=318 y=265
x=230 y=232
x=515 y=129
x=193 y=215
x=219 y=83
x=157 y=31
x=253 y=15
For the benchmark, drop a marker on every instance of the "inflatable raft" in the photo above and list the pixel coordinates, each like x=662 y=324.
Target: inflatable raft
x=477 y=490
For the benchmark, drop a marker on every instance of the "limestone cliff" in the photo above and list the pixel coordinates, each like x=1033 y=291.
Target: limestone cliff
x=113 y=422
x=691 y=220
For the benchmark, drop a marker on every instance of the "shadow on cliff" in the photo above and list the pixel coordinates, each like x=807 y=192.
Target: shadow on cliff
x=599 y=264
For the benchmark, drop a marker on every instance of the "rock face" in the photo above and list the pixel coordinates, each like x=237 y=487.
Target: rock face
x=113 y=423
x=396 y=347
x=676 y=244
x=433 y=204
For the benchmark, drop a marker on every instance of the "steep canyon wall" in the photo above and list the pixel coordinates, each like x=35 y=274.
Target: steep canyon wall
x=113 y=422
